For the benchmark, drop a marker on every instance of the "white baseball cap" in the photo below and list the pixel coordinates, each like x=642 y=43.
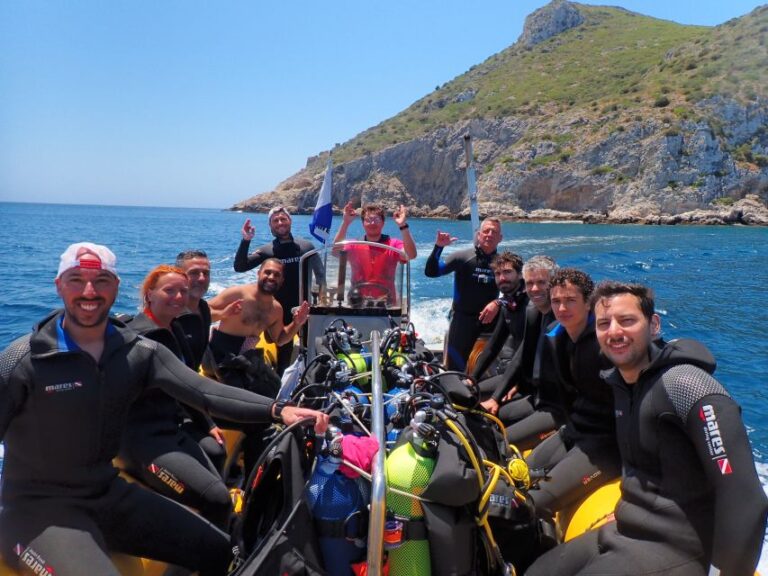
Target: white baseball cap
x=70 y=258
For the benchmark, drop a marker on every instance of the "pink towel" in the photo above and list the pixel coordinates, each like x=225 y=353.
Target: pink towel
x=359 y=450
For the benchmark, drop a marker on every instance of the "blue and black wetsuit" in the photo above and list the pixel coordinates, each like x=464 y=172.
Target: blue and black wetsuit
x=158 y=447
x=289 y=252
x=583 y=455
x=691 y=501
x=474 y=286
x=62 y=417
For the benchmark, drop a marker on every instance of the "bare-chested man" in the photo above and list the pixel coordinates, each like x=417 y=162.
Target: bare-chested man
x=251 y=310
x=259 y=312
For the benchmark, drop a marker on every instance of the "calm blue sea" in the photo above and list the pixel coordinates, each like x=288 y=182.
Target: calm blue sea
x=710 y=281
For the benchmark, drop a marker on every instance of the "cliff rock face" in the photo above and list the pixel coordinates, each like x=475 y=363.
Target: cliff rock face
x=643 y=173
x=659 y=157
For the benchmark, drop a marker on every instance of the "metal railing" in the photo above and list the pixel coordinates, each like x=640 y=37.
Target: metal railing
x=378 y=474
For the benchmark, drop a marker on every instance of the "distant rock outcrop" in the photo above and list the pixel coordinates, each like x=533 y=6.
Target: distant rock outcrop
x=550 y=20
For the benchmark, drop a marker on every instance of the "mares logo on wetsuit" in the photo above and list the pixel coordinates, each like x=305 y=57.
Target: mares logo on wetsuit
x=714 y=439
x=63 y=387
x=483 y=275
x=32 y=560
x=167 y=478
x=587 y=479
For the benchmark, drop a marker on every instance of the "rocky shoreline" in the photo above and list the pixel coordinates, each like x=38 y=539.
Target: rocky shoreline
x=749 y=211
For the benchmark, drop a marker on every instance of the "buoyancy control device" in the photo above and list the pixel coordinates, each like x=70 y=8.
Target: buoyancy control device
x=338 y=506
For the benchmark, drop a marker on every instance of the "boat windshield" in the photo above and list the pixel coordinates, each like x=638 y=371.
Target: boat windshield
x=358 y=276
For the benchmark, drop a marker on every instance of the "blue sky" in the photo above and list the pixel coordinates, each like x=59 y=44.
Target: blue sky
x=193 y=103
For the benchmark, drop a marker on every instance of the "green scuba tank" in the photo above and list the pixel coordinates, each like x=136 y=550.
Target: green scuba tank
x=409 y=469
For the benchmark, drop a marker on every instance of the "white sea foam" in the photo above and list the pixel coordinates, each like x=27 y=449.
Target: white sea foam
x=430 y=317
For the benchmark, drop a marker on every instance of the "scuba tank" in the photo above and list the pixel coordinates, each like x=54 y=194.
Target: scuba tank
x=347 y=344
x=395 y=413
x=336 y=504
x=409 y=469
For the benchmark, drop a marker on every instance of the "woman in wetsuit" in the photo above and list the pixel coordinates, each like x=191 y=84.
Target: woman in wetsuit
x=158 y=447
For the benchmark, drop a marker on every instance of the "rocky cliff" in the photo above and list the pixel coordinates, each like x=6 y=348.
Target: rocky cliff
x=674 y=136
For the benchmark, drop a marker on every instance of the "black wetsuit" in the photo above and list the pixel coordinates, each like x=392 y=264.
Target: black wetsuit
x=583 y=455
x=505 y=346
x=244 y=369
x=196 y=328
x=474 y=286
x=690 y=495
x=541 y=410
x=289 y=252
x=159 y=448
x=62 y=416
x=507 y=334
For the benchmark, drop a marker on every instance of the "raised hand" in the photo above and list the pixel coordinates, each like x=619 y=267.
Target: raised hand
x=444 y=239
x=400 y=215
x=349 y=213
x=301 y=313
x=248 y=231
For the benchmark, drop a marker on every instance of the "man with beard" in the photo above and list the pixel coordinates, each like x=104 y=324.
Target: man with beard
x=288 y=249
x=508 y=333
x=237 y=361
x=473 y=287
x=691 y=501
x=257 y=311
x=65 y=391
x=531 y=411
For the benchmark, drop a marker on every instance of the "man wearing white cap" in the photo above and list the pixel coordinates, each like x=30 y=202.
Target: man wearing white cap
x=65 y=390
x=288 y=249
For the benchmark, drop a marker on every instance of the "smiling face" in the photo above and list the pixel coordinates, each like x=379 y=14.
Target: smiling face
x=280 y=225
x=87 y=294
x=625 y=333
x=198 y=271
x=270 y=277
x=570 y=307
x=373 y=223
x=168 y=298
x=537 y=287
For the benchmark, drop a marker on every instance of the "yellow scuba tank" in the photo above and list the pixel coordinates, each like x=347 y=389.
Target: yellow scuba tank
x=409 y=469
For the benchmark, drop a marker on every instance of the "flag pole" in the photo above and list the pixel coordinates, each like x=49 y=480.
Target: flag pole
x=320 y=226
x=471 y=184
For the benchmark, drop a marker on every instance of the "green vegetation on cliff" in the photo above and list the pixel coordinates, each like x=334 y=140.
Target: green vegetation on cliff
x=617 y=66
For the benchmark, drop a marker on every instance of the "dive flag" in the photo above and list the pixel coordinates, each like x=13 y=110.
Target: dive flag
x=320 y=227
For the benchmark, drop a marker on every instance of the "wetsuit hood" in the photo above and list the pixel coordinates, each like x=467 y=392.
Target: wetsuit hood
x=666 y=354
